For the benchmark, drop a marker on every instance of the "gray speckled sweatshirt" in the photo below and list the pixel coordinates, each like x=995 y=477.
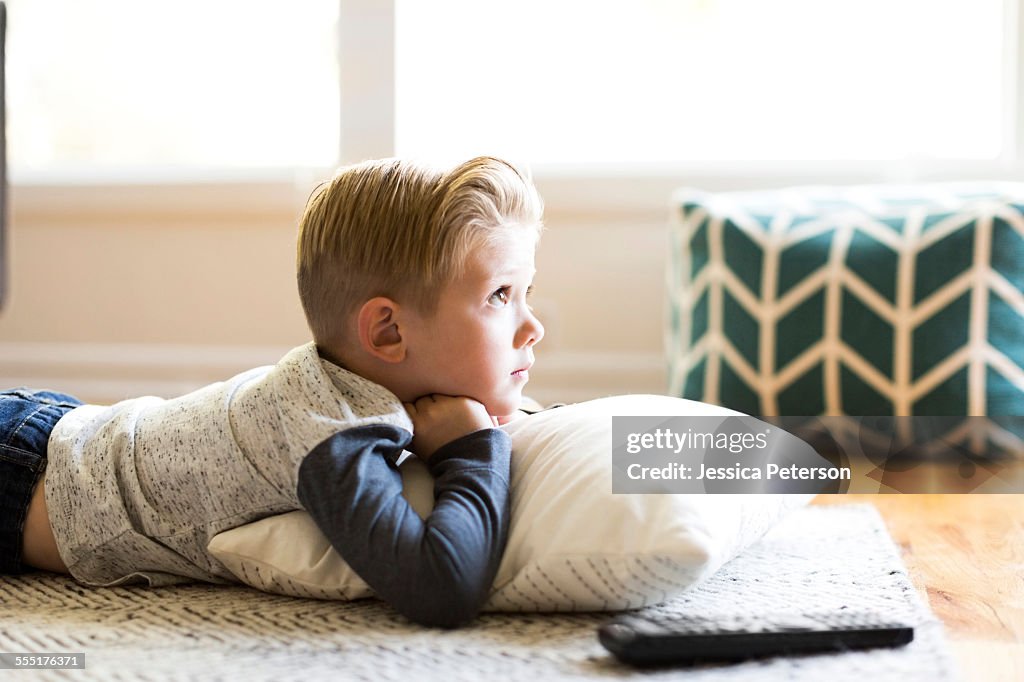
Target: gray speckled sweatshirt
x=136 y=490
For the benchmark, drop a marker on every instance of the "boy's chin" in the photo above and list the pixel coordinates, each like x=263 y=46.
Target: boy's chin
x=502 y=412
x=505 y=407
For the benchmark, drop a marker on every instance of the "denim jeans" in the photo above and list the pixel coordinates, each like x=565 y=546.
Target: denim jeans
x=26 y=420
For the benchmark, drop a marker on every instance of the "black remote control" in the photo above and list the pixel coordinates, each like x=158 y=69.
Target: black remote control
x=660 y=639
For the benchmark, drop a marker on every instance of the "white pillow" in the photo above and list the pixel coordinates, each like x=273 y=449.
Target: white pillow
x=573 y=545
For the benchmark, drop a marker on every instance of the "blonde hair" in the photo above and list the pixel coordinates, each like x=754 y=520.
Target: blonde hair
x=402 y=230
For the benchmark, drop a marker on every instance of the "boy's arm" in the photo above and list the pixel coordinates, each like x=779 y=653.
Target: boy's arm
x=436 y=571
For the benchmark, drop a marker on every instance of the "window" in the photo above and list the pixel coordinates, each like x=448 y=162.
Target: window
x=647 y=84
x=114 y=85
x=656 y=81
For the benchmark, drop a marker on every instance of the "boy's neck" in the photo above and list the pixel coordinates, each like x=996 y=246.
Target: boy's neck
x=376 y=372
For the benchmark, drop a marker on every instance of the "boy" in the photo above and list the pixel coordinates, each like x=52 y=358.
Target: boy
x=414 y=283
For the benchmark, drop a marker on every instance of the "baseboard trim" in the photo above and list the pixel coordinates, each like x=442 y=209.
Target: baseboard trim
x=104 y=373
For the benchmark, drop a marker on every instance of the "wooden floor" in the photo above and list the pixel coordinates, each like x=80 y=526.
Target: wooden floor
x=965 y=554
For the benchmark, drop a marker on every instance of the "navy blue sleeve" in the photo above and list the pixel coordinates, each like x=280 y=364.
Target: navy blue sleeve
x=436 y=571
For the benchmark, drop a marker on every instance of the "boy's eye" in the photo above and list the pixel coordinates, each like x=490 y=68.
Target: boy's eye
x=500 y=296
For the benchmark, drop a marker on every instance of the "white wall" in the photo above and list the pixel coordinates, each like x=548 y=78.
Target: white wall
x=158 y=289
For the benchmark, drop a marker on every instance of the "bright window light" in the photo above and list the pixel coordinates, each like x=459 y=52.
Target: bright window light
x=682 y=80
x=119 y=84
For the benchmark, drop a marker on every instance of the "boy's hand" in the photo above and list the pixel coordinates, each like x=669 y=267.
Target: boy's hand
x=439 y=419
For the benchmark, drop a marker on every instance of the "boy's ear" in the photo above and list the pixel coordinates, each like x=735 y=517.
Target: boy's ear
x=378 y=330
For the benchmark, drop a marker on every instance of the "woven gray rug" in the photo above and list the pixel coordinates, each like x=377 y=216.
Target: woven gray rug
x=819 y=557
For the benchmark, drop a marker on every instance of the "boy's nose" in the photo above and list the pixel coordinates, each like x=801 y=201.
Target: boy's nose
x=531 y=332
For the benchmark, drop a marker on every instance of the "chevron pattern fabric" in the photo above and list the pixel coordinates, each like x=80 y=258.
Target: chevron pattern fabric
x=871 y=300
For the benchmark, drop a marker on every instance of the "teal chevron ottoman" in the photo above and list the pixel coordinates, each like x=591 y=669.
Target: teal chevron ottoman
x=872 y=300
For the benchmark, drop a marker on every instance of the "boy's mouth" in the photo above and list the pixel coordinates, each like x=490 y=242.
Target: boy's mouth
x=523 y=371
